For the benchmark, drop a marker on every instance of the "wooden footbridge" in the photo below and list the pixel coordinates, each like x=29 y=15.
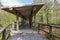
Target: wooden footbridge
x=27 y=30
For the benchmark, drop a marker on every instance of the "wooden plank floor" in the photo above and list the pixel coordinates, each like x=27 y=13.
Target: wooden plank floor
x=26 y=35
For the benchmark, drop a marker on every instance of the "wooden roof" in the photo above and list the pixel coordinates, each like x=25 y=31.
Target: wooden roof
x=24 y=11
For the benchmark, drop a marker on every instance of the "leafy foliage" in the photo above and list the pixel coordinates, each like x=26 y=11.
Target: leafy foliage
x=6 y=18
x=50 y=13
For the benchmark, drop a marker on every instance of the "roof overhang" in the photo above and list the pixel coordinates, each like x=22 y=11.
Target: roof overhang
x=25 y=11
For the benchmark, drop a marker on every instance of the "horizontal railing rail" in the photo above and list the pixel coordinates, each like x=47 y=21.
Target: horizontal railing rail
x=50 y=30
x=5 y=32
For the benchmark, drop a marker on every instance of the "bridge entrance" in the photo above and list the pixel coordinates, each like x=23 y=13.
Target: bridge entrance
x=26 y=13
x=24 y=28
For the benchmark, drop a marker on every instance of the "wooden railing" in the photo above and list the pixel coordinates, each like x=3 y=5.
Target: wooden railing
x=5 y=32
x=51 y=35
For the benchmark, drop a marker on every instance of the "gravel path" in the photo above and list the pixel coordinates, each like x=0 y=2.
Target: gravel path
x=27 y=35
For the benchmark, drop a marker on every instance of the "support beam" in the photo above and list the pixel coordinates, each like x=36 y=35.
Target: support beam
x=17 y=23
x=35 y=28
x=35 y=20
x=30 y=18
x=33 y=12
x=30 y=22
x=13 y=26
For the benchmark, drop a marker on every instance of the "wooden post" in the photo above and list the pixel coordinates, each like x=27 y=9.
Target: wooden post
x=35 y=21
x=12 y=25
x=50 y=31
x=17 y=23
x=30 y=22
x=4 y=35
x=9 y=30
x=38 y=28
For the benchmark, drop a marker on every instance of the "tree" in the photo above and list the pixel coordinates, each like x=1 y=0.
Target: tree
x=37 y=1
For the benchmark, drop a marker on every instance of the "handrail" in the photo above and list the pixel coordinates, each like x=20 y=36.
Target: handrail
x=3 y=32
x=2 y=29
x=49 y=33
x=50 y=29
x=55 y=26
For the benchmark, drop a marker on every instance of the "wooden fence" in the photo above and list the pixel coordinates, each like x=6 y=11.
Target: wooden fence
x=5 y=32
x=51 y=35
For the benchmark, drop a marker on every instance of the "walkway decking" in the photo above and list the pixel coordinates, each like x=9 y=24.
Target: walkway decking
x=26 y=34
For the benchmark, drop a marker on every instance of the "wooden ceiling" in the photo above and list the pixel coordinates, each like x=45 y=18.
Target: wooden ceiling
x=24 y=11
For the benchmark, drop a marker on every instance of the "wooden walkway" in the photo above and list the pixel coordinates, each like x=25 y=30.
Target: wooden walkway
x=26 y=34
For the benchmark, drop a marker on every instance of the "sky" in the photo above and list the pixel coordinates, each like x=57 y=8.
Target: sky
x=13 y=3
